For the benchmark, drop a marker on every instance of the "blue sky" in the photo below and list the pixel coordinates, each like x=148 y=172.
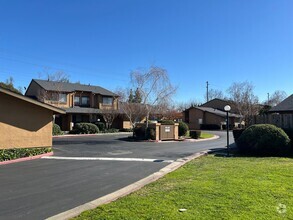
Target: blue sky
x=100 y=42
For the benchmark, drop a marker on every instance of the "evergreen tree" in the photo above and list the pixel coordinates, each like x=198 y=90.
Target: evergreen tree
x=137 y=96
x=130 y=97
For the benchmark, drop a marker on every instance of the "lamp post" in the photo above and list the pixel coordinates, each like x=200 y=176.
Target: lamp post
x=227 y=108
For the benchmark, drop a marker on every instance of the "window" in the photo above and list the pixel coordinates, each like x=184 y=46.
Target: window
x=107 y=100
x=62 y=97
x=76 y=100
x=85 y=101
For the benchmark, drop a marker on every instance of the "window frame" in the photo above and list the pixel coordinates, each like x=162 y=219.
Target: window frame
x=107 y=98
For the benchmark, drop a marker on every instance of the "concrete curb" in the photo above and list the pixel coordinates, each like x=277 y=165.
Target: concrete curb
x=26 y=158
x=128 y=189
x=200 y=140
x=85 y=135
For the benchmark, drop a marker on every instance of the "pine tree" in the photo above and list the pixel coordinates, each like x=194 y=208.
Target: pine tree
x=137 y=96
x=130 y=97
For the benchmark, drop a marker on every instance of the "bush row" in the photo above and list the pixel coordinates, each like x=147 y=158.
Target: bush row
x=15 y=153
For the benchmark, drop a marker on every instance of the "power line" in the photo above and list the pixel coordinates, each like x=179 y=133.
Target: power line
x=62 y=69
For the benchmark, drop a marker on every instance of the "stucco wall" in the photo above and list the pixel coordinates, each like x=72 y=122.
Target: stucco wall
x=24 y=125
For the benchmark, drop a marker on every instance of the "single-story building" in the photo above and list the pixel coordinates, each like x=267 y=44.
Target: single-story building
x=284 y=107
x=25 y=122
x=200 y=117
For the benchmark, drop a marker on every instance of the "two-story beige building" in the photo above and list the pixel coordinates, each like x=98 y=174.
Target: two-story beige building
x=82 y=103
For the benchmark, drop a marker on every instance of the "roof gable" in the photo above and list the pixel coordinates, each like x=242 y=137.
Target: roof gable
x=285 y=106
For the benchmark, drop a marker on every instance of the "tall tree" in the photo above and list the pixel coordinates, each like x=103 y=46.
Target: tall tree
x=130 y=96
x=246 y=102
x=154 y=86
x=137 y=96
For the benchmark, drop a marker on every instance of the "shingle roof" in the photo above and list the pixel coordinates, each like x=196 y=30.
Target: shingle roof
x=83 y=110
x=80 y=110
x=217 y=112
x=71 y=87
x=284 y=106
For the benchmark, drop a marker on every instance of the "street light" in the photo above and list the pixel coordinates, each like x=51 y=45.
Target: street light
x=227 y=108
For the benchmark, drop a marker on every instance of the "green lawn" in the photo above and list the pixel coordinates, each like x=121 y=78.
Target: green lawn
x=211 y=188
x=205 y=135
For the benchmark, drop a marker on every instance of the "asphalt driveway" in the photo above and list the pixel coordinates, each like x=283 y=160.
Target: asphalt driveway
x=117 y=146
x=42 y=188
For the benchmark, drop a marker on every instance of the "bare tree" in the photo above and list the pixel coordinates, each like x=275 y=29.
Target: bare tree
x=109 y=116
x=57 y=78
x=245 y=100
x=182 y=106
x=9 y=84
x=214 y=93
x=154 y=87
x=135 y=112
x=277 y=97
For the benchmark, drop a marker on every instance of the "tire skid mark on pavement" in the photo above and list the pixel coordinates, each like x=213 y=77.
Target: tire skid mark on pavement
x=109 y=159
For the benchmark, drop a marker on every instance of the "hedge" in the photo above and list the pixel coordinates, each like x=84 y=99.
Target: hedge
x=182 y=128
x=15 y=153
x=85 y=128
x=56 y=130
x=264 y=140
x=195 y=134
x=237 y=133
x=166 y=122
x=151 y=133
x=101 y=126
x=139 y=132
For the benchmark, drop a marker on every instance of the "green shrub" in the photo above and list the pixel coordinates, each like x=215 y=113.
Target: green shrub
x=101 y=126
x=126 y=130
x=289 y=132
x=85 y=128
x=264 y=140
x=182 y=128
x=151 y=133
x=237 y=133
x=56 y=130
x=15 y=153
x=166 y=122
x=139 y=132
x=210 y=127
x=194 y=134
x=111 y=130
